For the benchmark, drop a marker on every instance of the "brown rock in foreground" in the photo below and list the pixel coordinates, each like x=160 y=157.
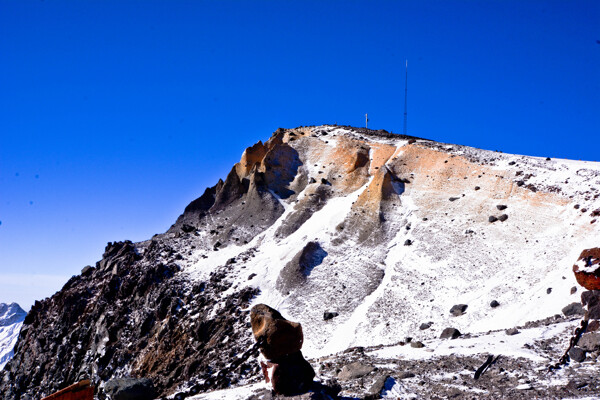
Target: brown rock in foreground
x=587 y=269
x=280 y=341
x=289 y=375
x=280 y=337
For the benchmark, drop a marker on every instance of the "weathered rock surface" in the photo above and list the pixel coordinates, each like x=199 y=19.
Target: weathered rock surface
x=573 y=309
x=458 y=309
x=354 y=370
x=130 y=389
x=450 y=333
x=587 y=269
x=278 y=336
x=132 y=310
x=280 y=341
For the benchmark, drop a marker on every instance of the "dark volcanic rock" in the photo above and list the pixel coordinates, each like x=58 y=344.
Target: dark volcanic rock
x=577 y=354
x=130 y=389
x=458 y=309
x=327 y=315
x=376 y=388
x=354 y=370
x=279 y=336
x=512 y=331
x=573 y=309
x=590 y=341
x=450 y=333
x=296 y=271
x=494 y=304
x=131 y=310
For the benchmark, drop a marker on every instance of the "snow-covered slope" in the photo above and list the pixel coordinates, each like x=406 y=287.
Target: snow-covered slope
x=11 y=320
x=404 y=227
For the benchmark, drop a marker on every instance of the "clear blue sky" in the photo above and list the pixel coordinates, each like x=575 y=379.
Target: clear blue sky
x=115 y=114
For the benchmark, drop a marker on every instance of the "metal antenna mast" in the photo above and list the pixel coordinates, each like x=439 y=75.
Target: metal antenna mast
x=405 y=96
x=367 y=121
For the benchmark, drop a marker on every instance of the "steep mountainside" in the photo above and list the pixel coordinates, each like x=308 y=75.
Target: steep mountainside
x=11 y=319
x=385 y=232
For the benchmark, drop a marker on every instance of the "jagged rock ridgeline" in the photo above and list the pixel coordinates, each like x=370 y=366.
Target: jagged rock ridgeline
x=130 y=315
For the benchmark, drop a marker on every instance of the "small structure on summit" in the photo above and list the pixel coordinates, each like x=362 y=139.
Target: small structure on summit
x=279 y=340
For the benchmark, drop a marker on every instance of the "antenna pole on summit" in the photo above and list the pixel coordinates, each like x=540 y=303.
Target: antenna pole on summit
x=367 y=121
x=405 y=96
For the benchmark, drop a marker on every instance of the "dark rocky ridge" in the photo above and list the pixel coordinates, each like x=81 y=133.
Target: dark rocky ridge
x=132 y=310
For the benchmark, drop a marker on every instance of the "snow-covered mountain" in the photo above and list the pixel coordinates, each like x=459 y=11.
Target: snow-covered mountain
x=11 y=320
x=386 y=232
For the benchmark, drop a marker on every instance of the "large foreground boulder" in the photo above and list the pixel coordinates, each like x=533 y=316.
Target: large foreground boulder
x=284 y=368
x=279 y=336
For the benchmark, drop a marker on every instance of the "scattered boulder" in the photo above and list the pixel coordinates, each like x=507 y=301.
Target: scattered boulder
x=501 y=207
x=406 y=375
x=492 y=219
x=450 y=333
x=130 y=389
x=593 y=313
x=512 y=331
x=453 y=198
x=549 y=290
x=354 y=370
x=590 y=298
x=425 y=325
x=577 y=354
x=376 y=388
x=590 y=341
x=188 y=228
x=87 y=270
x=587 y=269
x=494 y=304
x=416 y=344
x=573 y=309
x=408 y=242
x=327 y=315
x=573 y=289
x=458 y=309
x=593 y=326
x=503 y=218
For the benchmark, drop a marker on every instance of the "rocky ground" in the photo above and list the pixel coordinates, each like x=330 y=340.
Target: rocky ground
x=374 y=372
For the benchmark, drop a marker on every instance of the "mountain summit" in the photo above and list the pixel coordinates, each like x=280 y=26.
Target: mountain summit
x=364 y=237
x=11 y=319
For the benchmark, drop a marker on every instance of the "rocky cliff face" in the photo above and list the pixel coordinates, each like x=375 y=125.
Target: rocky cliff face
x=378 y=231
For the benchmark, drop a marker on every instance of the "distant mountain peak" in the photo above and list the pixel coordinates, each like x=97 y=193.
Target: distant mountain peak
x=11 y=320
